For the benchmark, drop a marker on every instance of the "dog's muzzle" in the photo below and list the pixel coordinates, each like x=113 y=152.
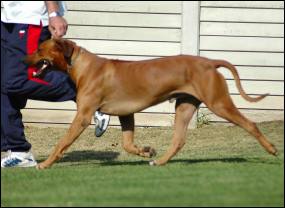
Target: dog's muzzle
x=42 y=65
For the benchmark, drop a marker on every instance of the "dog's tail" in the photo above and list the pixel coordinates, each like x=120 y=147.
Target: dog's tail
x=222 y=63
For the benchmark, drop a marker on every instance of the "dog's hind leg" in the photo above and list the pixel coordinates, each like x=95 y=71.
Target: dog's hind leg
x=184 y=112
x=225 y=108
x=218 y=100
x=127 y=123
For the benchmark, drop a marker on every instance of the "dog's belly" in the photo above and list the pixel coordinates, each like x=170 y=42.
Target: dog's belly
x=123 y=108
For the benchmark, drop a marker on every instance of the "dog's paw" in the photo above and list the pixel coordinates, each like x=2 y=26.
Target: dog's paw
x=40 y=166
x=272 y=150
x=149 y=151
x=152 y=163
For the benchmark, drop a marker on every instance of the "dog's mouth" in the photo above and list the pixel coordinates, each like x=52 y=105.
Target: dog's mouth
x=42 y=65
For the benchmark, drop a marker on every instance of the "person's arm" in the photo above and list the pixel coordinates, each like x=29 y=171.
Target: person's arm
x=57 y=24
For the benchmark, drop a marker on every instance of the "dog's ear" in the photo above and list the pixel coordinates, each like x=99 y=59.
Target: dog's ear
x=67 y=47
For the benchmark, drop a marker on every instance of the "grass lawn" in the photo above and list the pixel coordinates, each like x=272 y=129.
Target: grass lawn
x=218 y=166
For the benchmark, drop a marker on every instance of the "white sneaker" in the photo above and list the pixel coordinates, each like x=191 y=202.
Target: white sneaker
x=101 y=123
x=18 y=159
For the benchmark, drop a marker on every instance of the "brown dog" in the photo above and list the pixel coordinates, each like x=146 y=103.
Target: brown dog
x=123 y=88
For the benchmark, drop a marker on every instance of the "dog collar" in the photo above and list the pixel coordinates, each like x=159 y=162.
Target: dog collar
x=72 y=61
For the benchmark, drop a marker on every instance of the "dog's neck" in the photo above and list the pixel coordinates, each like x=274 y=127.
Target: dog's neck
x=74 y=57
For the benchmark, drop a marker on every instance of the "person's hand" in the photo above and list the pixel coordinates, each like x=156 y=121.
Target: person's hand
x=57 y=26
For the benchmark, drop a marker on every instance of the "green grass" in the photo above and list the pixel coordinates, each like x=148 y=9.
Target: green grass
x=218 y=166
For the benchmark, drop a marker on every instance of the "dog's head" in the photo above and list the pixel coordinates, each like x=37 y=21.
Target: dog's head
x=52 y=54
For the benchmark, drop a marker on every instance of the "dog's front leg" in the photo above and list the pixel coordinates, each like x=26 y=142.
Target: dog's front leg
x=127 y=123
x=80 y=122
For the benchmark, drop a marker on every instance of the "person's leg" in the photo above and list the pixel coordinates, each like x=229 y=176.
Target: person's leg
x=101 y=123
x=12 y=133
x=17 y=85
x=12 y=129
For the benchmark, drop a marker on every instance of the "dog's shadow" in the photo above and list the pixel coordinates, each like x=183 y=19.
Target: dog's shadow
x=108 y=158
x=88 y=155
x=185 y=161
x=194 y=161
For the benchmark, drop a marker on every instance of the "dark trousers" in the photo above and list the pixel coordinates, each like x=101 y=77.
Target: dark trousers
x=18 y=84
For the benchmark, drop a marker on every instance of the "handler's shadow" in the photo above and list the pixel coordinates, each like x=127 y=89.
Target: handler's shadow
x=88 y=155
